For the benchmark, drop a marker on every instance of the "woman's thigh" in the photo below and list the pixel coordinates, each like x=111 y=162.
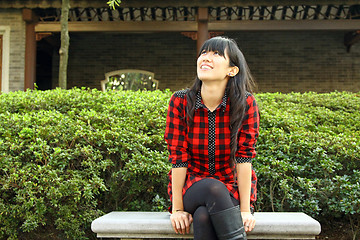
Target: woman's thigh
x=210 y=193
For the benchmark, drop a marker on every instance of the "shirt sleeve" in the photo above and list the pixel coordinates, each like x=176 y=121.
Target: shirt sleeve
x=175 y=132
x=248 y=132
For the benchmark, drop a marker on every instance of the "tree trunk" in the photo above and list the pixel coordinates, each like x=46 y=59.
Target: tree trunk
x=64 y=48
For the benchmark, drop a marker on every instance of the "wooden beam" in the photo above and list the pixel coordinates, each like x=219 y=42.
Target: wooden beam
x=244 y=25
x=120 y=27
x=167 y=3
x=286 y=25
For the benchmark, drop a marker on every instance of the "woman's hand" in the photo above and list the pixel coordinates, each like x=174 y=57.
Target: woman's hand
x=248 y=220
x=181 y=222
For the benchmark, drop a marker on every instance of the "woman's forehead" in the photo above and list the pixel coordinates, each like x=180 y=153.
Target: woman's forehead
x=222 y=51
x=215 y=46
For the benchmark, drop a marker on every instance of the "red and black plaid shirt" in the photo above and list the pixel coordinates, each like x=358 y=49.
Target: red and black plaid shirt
x=204 y=148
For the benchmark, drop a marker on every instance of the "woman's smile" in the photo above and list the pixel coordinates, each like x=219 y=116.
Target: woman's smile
x=205 y=66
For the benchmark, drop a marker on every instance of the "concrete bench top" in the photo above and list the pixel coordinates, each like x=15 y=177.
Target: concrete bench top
x=269 y=225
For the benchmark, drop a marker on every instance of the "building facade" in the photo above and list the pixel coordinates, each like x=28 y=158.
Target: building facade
x=290 y=46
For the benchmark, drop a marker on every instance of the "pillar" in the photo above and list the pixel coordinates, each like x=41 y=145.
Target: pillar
x=30 y=48
x=203 y=31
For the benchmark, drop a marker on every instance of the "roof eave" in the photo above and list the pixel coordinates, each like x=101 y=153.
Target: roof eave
x=167 y=3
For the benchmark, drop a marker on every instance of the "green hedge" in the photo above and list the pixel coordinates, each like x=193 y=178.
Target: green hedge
x=309 y=155
x=68 y=156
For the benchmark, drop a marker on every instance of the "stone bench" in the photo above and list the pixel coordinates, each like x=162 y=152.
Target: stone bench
x=269 y=225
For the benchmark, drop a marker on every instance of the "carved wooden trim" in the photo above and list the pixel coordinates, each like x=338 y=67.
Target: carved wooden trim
x=193 y=35
x=40 y=36
x=351 y=38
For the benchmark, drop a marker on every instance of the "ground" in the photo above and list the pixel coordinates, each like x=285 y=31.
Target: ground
x=336 y=231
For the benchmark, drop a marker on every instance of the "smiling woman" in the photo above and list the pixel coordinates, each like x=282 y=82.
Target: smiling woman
x=211 y=132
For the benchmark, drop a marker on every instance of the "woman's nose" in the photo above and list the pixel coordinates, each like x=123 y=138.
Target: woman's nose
x=206 y=57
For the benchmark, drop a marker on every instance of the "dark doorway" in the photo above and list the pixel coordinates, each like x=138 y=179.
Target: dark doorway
x=44 y=55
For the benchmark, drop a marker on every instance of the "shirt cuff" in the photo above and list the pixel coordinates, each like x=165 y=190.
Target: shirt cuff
x=243 y=160
x=179 y=165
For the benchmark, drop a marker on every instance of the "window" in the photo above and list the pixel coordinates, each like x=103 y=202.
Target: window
x=129 y=79
x=4 y=58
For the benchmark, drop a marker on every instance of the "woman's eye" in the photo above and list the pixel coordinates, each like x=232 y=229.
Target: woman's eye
x=203 y=52
x=216 y=53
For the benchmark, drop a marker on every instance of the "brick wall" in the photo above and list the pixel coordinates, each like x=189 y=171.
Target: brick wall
x=13 y=18
x=280 y=61
x=301 y=61
x=170 y=56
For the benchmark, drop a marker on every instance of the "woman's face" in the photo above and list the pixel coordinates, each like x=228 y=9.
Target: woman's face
x=211 y=66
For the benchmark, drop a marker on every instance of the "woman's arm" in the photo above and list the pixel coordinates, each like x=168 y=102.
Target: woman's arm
x=175 y=136
x=246 y=152
x=180 y=219
x=244 y=183
x=178 y=181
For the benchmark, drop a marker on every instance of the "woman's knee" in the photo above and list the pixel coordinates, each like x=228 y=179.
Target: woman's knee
x=215 y=188
x=201 y=216
x=208 y=192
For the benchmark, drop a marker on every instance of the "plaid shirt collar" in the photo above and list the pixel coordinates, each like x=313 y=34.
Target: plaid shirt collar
x=200 y=104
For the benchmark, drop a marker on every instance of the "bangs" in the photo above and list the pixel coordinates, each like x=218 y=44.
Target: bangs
x=215 y=44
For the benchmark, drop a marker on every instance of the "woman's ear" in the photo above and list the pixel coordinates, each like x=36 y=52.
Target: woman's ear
x=233 y=71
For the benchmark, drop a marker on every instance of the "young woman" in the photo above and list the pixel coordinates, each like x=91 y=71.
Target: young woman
x=211 y=132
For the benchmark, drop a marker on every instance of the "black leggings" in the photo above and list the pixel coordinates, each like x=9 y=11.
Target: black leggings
x=205 y=197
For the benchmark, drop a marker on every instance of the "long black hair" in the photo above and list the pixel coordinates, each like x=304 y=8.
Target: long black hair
x=237 y=87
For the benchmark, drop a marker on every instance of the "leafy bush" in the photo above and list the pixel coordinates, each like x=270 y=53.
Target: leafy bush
x=68 y=156
x=309 y=155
